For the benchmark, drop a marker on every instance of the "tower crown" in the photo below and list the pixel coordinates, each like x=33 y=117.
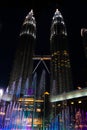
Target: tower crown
x=58 y=25
x=29 y=25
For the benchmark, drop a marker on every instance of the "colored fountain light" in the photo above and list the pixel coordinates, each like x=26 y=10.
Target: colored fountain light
x=2 y=113
x=1 y=93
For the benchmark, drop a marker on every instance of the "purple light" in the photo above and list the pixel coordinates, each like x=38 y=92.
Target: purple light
x=30 y=91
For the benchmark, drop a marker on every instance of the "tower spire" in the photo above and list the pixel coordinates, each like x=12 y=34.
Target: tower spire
x=30 y=14
x=57 y=14
x=30 y=18
x=57 y=11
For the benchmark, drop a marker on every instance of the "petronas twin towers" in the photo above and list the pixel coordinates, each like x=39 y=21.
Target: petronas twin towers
x=60 y=74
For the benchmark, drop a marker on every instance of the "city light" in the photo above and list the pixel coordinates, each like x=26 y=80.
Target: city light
x=79 y=101
x=72 y=102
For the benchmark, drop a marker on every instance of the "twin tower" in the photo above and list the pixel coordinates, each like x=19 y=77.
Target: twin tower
x=60 y=70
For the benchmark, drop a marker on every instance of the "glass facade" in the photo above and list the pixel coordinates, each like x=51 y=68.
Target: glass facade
x=60 y=62
x=84 y=38
x=23 y=63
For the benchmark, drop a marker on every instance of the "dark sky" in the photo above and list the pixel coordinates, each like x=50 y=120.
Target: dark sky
x=11 y=19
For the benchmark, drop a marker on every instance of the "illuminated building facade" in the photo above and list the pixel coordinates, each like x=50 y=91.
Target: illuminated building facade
x=84 y=36
x=23 y=63
x=61 y=79
x=84 y=42
x=37 y=112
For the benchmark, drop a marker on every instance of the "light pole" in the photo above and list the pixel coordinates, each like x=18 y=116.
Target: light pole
x=45 y=93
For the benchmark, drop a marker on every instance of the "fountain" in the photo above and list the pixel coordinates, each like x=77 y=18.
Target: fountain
x=66 y=120
x=21 y=113
x=15 y=115
x=16 y=118
x=25 y=113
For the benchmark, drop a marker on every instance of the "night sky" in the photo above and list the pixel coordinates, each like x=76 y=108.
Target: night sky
x=12 y=17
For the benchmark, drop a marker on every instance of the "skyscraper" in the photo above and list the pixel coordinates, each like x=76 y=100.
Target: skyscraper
x=84 y=42
x=84 y=38
x=23 y=63
x=61 y=79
